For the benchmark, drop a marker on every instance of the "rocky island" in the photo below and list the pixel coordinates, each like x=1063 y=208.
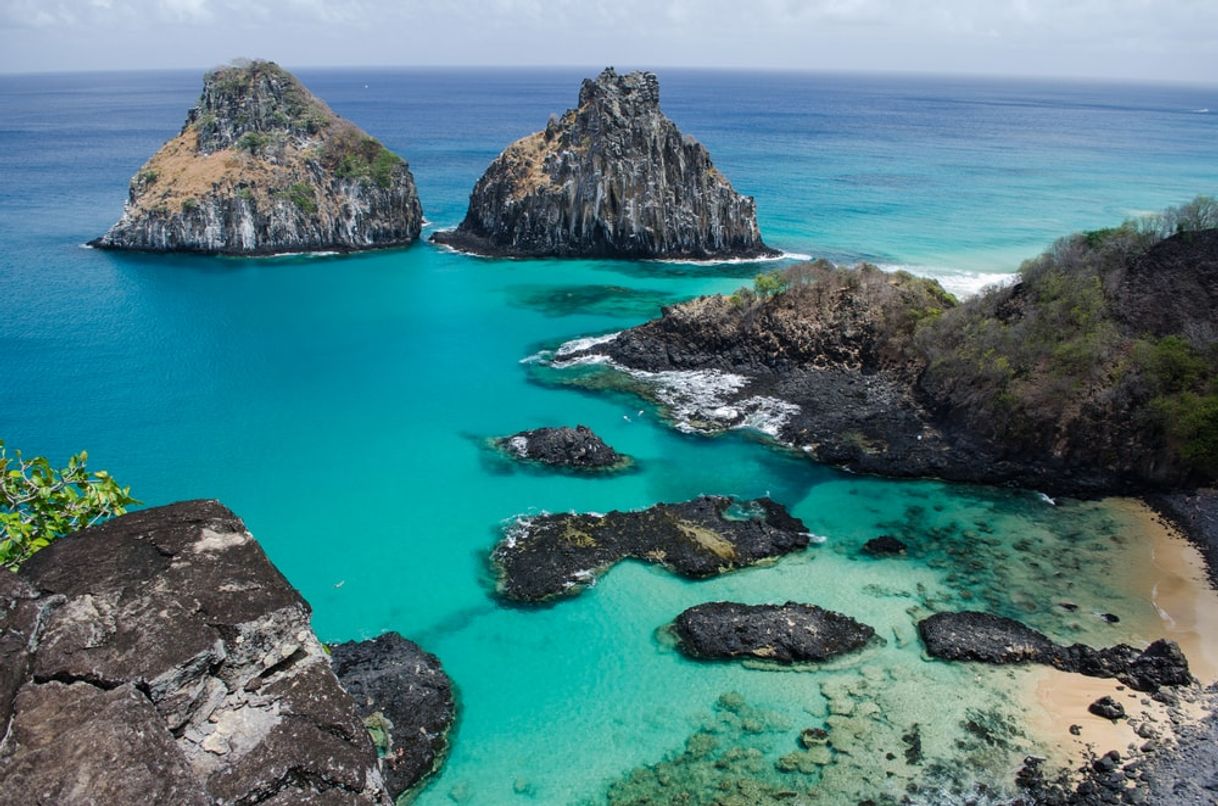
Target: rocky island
x=550 y=556
x=161 y=658
x=784 y=634
x=611 y=178
x=262 y=166
x=1087 y=375
x=564 y=447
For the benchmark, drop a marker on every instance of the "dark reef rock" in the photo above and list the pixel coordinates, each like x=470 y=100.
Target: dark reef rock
x=262 y=166
x=576 y=448
x=1108 y=708
x=549 y=556
x=983 y=637
x=181 y=668
x=612 y=177
x=404 y=698
x=788 y=633
x=884 y=546
x=885 y=373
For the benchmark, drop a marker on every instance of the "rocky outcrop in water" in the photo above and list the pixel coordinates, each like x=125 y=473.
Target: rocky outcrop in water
x=786 y=634
x=1083 y=377
x=161 y=658
x=405 y=700
x=612 y=177
x=262 y=166
x=986 y=638
x=574 y=448
x=549 y=556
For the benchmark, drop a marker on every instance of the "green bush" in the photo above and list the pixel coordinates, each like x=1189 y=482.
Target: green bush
x=39 y=503
x=770 y=283
x=253 y=142
x=301 y=195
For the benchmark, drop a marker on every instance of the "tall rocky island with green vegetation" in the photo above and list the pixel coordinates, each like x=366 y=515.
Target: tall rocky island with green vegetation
x=611 y=178
x=263 y=166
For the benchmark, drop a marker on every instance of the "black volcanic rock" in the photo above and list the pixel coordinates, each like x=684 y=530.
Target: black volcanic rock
x=576 y=448
x=612 y=177
x=405 y=698
x=549 y=556
x=986 y=638
x=788 y=633
x=161 y=658
x=1108 y=708
x=884 y=546
x=263 y=166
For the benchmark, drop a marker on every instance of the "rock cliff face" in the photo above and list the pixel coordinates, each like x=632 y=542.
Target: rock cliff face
x=612 y=177
x=161 y=658
x=262 y=166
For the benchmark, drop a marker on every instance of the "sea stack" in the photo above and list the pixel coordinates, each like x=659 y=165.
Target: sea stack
x=263 y=166
x=611 y=178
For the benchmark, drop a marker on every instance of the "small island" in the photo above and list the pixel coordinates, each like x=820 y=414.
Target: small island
x=262 y=166
x=782 y=634
x=611 y=178
x=577 y=449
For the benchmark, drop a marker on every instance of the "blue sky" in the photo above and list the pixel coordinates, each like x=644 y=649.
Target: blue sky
x=1172 y=40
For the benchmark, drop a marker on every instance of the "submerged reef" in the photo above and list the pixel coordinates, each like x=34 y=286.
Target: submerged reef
x=573 y=448
x=262 y=166
x=549 y=556
x=983 y=637
x=1094 y=373
x=161 y=658
x=612 y=177
x=785 y=634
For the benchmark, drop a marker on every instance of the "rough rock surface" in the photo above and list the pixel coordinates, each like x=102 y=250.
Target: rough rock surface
x=576 y=448
x=549 y=556
x=405 y=698
x=788 y=633
x=612 y=177
x=983 y=637
x=262 y=166
x=182 y=666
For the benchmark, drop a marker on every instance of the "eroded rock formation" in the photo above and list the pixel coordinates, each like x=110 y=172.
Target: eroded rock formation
x=262 y=166
x=612 y=177
x=788 y=633
x=575 y=448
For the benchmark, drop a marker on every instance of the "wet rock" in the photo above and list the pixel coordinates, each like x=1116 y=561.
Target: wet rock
x=404 y=692
x=788 y=633
x=262 y=166
x=181 y=667
x=884 y=546
x=549 y=556
x=612 y=177
x=577 y=448
x=1110 y=618
x=1107 y=708
x=971 y=636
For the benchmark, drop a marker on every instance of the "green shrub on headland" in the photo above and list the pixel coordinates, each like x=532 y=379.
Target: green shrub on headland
x=39 y=503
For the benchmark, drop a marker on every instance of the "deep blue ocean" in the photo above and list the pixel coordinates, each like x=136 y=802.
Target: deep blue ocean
x=340 y=404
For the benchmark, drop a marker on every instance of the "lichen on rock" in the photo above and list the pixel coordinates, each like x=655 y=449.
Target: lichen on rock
x=263 y=166
x=612 y=177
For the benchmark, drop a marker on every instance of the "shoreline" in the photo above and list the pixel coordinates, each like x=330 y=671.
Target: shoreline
x=1169 y=571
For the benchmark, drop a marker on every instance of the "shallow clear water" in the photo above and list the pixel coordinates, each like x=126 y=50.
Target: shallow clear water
x=339 y=405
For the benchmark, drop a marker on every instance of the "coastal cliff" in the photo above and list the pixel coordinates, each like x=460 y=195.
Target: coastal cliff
x=1096 y=372
x=161 y=658
x=263 y=166
x=611 y=178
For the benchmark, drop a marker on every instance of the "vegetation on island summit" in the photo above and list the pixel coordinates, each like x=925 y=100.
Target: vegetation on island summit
x=41 y=503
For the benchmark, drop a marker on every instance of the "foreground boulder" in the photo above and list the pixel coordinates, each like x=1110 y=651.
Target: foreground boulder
x=575 y=448
x=549 y=556
x=986 y=638
x=169 y=662
x=404 y=698
x=263 y=166
x=612 y=177
x=786 y=634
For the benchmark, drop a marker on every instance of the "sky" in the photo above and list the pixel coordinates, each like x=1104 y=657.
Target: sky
x=1151 y=40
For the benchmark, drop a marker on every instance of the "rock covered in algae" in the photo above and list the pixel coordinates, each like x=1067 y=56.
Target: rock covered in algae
x=263 y=166
x=787 y=633
x=549 y=556
x=612 y=177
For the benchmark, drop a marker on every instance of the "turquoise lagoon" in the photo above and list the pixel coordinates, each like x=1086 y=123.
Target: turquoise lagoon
x=340 y=405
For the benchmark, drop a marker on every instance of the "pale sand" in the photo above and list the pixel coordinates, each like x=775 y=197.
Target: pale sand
x=1168 y=571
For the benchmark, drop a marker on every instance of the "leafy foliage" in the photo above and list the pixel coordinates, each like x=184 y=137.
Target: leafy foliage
x=39 y=503
x=301 y=195
x=351 y=154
